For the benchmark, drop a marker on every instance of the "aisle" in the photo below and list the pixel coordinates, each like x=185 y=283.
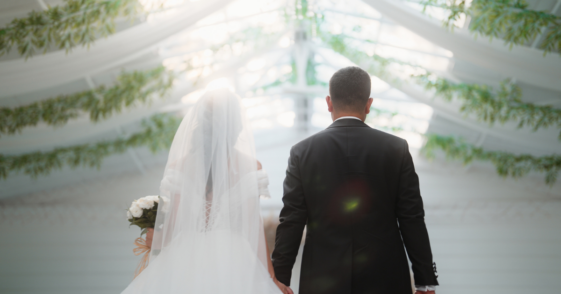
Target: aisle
x=498 y=258
x=67 y=258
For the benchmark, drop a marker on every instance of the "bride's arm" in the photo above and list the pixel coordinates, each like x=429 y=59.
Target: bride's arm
x=270 y=268
x=269 y=262
x=282 y=287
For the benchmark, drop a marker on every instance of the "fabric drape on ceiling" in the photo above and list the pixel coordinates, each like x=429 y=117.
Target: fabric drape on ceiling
x=525 y=64
x=39 y=72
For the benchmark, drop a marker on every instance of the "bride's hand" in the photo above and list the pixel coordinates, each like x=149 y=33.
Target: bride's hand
x=149 y=236
x=285 y=289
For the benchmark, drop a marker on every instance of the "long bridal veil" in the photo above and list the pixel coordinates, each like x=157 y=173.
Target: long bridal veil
x=209 y=236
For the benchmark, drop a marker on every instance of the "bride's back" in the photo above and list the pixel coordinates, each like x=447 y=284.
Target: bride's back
x=209 y=236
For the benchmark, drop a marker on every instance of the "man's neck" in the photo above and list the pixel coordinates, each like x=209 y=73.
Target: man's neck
x=336 y=116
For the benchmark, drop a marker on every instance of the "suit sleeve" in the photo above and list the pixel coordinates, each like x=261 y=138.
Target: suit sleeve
x=292 y=219
x=411 y=218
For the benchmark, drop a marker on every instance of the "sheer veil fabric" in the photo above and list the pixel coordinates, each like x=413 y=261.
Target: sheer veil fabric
x=209 y=233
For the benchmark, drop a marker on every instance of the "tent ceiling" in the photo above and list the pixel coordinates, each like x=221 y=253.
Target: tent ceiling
x=23 y=76
x=289 y=112
x=526 y=64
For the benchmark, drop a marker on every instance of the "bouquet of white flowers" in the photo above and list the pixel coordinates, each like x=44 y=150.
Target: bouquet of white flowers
x=142 y=212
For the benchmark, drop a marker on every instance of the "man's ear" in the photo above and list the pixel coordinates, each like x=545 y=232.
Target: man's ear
x=368 y=104
x=329 y=103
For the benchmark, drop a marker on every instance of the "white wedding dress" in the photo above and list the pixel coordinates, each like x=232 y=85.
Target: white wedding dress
x=209 y=234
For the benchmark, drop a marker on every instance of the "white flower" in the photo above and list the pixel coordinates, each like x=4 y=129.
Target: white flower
x=145 y=203
x=136 y=211
x=155 y=199
x=129 y=215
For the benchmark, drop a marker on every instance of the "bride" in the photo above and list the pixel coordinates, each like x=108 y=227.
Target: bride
x=209 y=236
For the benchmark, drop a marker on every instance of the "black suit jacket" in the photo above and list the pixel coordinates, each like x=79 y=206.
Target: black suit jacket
x=357 y=191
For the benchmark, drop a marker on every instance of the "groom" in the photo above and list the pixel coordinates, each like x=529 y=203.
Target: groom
x=356 y=191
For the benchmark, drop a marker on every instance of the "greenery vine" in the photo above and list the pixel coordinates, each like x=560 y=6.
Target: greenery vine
x=157 y=134
x=375 y=64
x=507 y=164
x=100 y=103
x=510 y=20
x=76 y=22
x=490 y=105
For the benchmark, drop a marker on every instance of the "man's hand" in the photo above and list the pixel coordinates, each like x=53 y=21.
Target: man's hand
x=285 y=289
x=424 y=292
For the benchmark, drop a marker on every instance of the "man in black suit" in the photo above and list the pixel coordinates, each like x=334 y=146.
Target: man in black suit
x=356 y=190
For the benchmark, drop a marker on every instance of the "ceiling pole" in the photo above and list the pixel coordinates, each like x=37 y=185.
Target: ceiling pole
x=301 y=100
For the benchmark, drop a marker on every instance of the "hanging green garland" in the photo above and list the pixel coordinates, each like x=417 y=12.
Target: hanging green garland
x=510 y=20
x=157 y=135
x=490 y=105
x=507 y=164
x=100 y=103
x=375 y=64
x=76 y=22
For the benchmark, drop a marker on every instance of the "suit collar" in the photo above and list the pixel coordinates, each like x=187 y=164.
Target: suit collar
x=346 y=123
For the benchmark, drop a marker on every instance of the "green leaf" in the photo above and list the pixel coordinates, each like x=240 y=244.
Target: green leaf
x=100 y=103
x=506 y=164
x=158 y=134
x=73 y=23
x=510 y=20
x=491 y=105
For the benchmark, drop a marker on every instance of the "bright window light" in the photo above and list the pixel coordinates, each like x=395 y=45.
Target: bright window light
x=192 y=97
x=284 y=42
x=256 y=64
x=286 y=119
x=221 y=83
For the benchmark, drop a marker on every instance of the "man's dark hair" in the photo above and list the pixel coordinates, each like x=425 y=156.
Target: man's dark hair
x=349 y=88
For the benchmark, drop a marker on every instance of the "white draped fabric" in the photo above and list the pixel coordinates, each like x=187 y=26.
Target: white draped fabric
x=57 y=68
x=525 y=64
x=517 y=138
x=209 y=235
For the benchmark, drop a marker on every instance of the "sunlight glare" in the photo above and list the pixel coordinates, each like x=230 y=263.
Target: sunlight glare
x=414 y=140
x=256 y=64
x=378 y=85
x=261 y=124
x=220 y=83
x=284 y=42
x=192 y=97
x=286 y=119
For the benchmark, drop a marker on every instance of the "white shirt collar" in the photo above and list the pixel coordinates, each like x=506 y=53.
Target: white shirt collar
x=345 y=117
